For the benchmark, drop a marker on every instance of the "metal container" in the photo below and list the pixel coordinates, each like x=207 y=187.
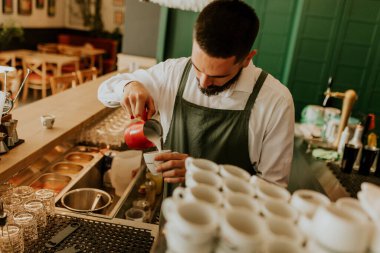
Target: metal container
x=67 y=168
x=52 y=181
x=82 y=199
x=79 y=157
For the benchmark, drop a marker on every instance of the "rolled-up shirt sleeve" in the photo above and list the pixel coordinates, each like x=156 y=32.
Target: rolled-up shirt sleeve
x=110 y=91
x=155 y=79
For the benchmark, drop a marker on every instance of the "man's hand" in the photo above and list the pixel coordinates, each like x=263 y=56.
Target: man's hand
x=173 y=167
x=137 y=99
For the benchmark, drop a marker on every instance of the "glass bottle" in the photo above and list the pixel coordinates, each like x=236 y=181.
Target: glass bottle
x=150 y=188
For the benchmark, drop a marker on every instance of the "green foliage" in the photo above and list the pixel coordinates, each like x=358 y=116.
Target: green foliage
x=9 y=31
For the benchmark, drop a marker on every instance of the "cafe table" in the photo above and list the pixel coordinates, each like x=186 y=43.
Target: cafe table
x=56 y=59
x=81 y=51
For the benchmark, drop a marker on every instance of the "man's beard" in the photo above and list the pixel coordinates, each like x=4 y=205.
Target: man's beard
x=213 y=90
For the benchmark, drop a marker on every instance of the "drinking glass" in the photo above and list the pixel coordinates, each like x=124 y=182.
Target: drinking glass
x=38 y=209
x=9 y=216
x=28 y=222
x=47 y=198
x=11 y=239
x=14 y=204
x=6 y=189
x=25 y=193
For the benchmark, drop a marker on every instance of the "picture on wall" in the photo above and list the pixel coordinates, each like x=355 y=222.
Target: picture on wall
x=51 y=8
x=40 y=4
x=118 y=2
x=24 y=7
x=118 y=17
x=7 y=6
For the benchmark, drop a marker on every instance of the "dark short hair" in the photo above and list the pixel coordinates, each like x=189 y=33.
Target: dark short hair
x=226 y=28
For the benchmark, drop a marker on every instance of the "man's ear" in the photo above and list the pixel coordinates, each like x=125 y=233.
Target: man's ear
x=249 y=57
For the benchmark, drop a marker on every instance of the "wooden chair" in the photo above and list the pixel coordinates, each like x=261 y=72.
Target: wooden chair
x=8 y=60
x=38 y=79
x=87 y=75
x=64 y=82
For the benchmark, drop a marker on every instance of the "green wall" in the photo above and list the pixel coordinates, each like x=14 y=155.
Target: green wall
x=303 y=43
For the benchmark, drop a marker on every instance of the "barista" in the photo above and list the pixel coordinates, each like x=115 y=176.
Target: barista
x=215 y=104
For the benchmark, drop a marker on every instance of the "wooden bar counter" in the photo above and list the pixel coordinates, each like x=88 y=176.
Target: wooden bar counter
x=73 y=109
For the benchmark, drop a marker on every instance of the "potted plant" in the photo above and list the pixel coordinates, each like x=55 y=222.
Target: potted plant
x=9 y=31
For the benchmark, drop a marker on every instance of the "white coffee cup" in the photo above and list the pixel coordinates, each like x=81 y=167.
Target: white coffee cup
x=151 y=163
x=340 y=230
x=350 y=204
x=176 y=242
x=199 y=192
x=268 y=191
x=203 y=177
x=282 y=245
x=227 y=170
x=241 y=231
x=240 y=200
x=273 y=209
x=237 y=185
x=282 y=229
x=47 y=120
x=197 y=164
x=308 y=201
x=195 y=220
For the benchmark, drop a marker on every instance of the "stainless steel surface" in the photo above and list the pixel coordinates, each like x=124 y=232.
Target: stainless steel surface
x=51 y=181
x=83 y=200
x=79 y=157
x=67 y=168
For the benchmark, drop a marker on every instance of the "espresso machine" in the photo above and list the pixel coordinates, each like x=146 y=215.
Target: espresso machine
x=8 y=126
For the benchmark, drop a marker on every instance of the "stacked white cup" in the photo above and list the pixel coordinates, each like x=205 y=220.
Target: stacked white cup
x=225 y=210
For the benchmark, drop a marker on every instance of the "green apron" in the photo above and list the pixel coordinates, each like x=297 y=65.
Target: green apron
x=214 y=134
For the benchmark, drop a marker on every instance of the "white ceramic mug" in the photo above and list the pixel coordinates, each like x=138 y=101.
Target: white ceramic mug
x=47 y=120
x=151 y=163
x=282 y=229
x=340 y=230
x=201 y=192
x=178 y=243
x=308 y=201
x=273 y=209
x=241 y=231
x=203 y=177
x=237 y=185
x=196 y=164
x=282 y=245
x=227 y=170
x=240 y=200
x=195 y=220
x=268 y=191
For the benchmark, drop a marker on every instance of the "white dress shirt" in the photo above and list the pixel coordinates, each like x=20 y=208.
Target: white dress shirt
x=271 y=125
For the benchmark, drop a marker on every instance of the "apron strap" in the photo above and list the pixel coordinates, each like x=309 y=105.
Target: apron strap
x=184 y=78
x=256 y=89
